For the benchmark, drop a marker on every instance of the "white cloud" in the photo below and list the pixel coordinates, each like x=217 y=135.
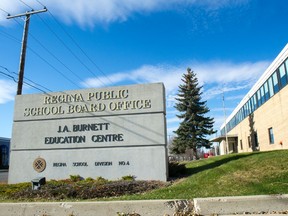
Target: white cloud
x=221 y=109
x=225 y=72
x=218 y=119
x=173 y=120
x=231 y=86
x=218 y=77
x=235 y=97
x=170 y=130
x=87 y=13
x=225 y=76
x=7 y=91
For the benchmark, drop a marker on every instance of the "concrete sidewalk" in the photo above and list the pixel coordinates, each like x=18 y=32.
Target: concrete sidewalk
x=275 y=205
x=268 y=204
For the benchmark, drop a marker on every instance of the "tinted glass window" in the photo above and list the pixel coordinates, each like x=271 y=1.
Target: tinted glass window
x=266 y=91
x=275 y=82
x=262 y=94
x=249 y=107
x=283 y=75
x=255 y=101
x=286 y=66
x=270 y=86
x=271 y=135
x=259 y=98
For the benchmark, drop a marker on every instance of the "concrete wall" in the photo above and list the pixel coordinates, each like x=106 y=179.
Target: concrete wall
x=107 y=132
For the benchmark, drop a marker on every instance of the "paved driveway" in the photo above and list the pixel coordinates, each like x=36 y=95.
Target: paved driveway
x=3 y=176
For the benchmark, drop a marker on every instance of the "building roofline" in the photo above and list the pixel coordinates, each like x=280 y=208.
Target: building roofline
x=220 y=138
x=268 y=72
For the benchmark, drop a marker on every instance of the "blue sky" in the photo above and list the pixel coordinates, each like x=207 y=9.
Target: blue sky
x=101 y=43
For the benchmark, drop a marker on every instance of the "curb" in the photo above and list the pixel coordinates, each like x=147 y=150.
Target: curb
x=262 y=204
x=252 y=205
x=113 y=208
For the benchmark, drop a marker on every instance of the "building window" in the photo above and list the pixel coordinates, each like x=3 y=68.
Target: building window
x=283 y=76
x=249 y=141
x=256 y=140
x=275 y=82
x=241 y=145
x=286 y=66
x=271 y=135
x=259 y=98
x=255 y=101
x=270 y=85
x=249 y=107
x=266 y=91
x=262 y=95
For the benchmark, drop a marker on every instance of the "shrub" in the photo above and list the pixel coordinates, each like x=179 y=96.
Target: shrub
x=128 y=178
x=89 y=179
x=84 y=190
x=75 y=178
x=101 y=180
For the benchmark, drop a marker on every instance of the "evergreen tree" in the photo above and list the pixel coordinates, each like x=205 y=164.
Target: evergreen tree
x=195 y=126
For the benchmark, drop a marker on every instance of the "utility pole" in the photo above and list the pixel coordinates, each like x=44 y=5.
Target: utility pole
x=24 y=45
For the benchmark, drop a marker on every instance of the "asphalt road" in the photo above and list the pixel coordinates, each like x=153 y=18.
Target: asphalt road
x=3 y=176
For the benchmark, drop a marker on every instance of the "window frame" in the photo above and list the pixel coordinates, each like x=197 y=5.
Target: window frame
x=271 y=135
x=283 y=79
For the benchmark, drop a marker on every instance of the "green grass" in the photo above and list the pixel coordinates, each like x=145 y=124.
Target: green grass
x=230 y=175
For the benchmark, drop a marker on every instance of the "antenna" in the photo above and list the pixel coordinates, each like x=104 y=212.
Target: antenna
x=226 y=137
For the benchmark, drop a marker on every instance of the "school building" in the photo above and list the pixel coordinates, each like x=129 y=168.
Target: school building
x=260 y=121
x=4 y=152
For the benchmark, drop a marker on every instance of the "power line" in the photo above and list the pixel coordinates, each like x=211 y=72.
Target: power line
x=54 y=56
x=17 y=40
x=26 y=4
x=51 y=52
x=35 y=53
x=75 y=56
x=54 y=67
x=79 y=47
x=47 y=50
x=4 y=11
x=13 y=78
x=31 y=81
x=7 y=75
x=63 y=43
x=11 y=37
x=40 y=3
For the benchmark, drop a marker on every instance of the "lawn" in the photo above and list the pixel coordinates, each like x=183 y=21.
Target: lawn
x=230 y=175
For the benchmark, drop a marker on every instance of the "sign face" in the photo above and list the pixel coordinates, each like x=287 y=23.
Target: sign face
x=107 y=132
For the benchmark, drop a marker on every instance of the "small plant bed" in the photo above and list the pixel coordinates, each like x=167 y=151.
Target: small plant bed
x=77 y=189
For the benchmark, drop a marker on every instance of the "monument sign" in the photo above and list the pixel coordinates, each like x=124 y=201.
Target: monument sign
x=108 y=132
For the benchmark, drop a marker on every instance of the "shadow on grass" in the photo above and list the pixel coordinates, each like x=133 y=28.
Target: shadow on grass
x=194 y=170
